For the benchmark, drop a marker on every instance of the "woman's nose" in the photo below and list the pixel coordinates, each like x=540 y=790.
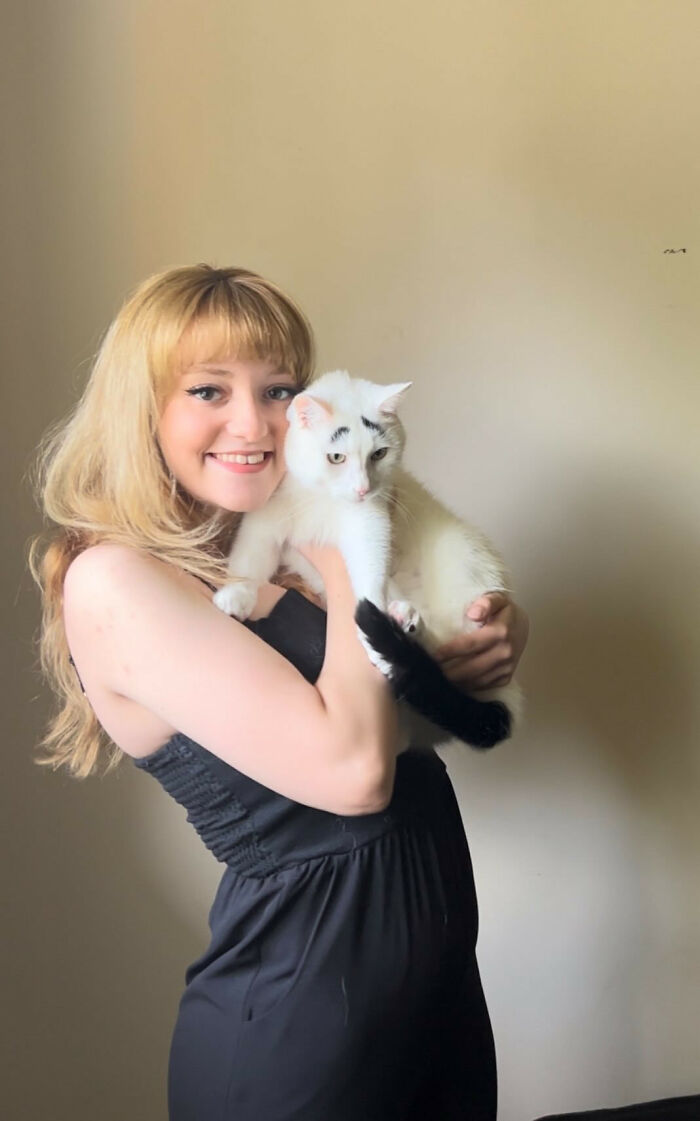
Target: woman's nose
x=246 y=420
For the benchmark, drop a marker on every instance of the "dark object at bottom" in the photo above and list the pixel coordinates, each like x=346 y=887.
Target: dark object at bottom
x=666 y=1109
x=418 y=680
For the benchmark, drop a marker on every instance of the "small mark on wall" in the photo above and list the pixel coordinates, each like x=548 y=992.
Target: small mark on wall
x=675 y=250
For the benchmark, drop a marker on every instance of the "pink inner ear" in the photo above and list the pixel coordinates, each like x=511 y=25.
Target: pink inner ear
x=311 y=410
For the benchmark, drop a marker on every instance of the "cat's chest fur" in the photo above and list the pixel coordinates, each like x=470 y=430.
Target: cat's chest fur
x=429 y=557
x=305 y=515
x=439 y=562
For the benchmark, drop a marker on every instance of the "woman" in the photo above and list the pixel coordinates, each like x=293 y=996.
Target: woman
x=340 y=983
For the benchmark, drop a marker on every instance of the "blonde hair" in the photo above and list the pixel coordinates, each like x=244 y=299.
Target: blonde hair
x=100 y=472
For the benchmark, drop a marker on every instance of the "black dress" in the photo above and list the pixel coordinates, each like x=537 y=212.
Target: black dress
x=340 y=983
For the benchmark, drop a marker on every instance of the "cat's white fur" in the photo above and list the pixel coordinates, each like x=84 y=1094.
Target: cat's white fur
x=404 y=550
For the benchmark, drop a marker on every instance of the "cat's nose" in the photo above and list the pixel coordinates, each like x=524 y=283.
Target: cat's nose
x=361 y=491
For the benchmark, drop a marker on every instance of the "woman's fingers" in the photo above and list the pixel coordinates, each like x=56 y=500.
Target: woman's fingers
x=481 y=671
x=486 y=605
x=479 y=659
x=486 y=657
x=473 y=643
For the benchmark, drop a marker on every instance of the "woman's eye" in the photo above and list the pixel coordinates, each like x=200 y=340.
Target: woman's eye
x=379 y=454
x=204 y=392
x=281 y=392
x=335 y=457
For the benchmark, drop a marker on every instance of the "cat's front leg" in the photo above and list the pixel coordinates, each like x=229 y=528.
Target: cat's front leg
x=237 y=598
x=254 y=559
x=294 y=560
x=365 y=543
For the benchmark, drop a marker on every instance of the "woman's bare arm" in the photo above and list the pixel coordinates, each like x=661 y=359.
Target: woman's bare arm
x=138 y=629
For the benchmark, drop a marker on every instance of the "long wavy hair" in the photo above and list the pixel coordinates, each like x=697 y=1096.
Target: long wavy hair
x=100 y=474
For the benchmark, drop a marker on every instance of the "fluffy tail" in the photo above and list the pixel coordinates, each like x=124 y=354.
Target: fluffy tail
x=417 y=678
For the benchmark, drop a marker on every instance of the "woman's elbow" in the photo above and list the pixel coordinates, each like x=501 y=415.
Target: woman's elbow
x=370 y=788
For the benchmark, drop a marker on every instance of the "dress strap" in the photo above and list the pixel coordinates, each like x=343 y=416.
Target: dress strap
x=211 y=587
x=82 y=687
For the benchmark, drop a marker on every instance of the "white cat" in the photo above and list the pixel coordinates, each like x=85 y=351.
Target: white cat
x=405 y=552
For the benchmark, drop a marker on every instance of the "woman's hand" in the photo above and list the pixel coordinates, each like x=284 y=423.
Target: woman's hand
x=486 y=657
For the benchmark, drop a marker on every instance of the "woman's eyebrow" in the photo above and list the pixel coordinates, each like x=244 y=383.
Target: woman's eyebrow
x=206 y=368
x=281 y=373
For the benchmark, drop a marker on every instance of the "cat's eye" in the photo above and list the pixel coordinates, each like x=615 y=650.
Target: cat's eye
x=335 y=457
x=379 y=454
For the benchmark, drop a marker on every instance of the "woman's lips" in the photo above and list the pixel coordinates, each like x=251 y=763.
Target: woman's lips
x=230 y=465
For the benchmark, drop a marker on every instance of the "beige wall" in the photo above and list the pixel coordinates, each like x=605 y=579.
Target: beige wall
x=476 y=196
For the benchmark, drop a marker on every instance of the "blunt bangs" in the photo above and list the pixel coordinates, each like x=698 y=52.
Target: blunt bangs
x=233 y=317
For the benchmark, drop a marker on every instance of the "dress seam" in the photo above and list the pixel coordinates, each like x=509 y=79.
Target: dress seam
x=397 y=827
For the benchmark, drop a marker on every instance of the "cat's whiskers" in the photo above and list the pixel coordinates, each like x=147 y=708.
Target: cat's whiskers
x=400 y=507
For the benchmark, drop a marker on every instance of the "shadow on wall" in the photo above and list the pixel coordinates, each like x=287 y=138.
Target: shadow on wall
x=586 y=828
x=97 y=957
x=613 y=651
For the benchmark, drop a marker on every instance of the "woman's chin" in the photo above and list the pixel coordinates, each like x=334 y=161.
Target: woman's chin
x=247 y=496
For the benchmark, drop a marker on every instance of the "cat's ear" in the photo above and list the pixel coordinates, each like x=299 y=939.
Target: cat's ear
x=390 y=396
x=309 y=410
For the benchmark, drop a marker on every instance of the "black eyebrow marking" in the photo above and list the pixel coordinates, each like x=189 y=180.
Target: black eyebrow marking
x=342 y=431
x=371 y=424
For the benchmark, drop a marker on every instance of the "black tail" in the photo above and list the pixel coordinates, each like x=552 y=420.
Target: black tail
x=417 y=679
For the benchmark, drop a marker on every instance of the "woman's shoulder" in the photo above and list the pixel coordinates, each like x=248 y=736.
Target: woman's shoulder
x=109 y=571
x=107 y=559
x=104 y=604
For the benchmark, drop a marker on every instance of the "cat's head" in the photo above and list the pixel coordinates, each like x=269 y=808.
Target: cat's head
x=344 y=436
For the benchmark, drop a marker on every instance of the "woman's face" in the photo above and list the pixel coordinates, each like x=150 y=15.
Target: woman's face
x=222 y=431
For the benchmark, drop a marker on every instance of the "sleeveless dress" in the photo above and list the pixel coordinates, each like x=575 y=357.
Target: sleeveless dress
x=340 y=982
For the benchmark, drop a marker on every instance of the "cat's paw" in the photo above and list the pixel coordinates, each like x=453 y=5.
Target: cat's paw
x=237 y=599
x=375 y=658
x=405 y=615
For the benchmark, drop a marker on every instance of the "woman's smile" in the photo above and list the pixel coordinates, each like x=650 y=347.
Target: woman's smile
x=241 y=463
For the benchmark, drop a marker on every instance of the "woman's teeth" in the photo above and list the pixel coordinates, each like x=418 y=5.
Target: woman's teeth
x=227 y=458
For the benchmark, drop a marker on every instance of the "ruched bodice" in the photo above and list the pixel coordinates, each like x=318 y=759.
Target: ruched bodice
x=340 y=982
